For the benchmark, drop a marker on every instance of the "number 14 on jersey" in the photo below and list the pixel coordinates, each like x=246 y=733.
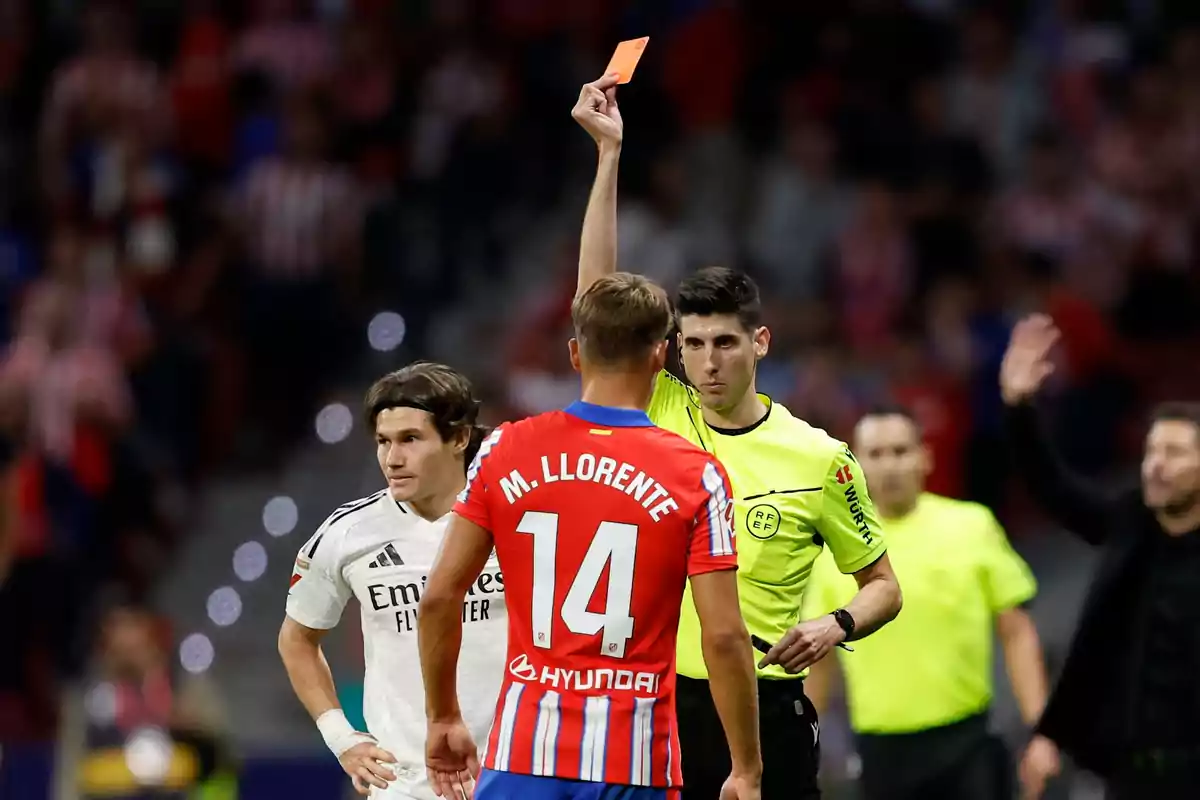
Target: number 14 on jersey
x=614 y=544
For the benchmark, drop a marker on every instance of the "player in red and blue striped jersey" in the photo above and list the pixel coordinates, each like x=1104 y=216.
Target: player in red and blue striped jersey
x=598 y=520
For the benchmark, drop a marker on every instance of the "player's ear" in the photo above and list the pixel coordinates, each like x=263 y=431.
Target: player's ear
x=462 y=439
x=762 y=341
x=926 y=460
x=573 y=349
x=658 y=356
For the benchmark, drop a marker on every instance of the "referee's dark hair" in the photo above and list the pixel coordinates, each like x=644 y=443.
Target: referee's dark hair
x=892 y=409
x=442 y=391
x=720 y=290
x=1177 y=411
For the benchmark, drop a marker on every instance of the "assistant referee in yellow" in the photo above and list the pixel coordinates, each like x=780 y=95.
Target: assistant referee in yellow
x=919 y=691
x=797 y=491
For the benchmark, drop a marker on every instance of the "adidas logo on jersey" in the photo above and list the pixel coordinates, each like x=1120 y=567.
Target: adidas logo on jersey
x=388 y=557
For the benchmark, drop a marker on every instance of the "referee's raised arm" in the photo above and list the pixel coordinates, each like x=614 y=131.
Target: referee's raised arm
x=597 y=113
x=1076 y=504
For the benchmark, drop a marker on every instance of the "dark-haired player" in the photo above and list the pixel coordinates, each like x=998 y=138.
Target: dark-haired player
x=923 y=730
x=796 y=491
x=380 y=549
x=599 y=520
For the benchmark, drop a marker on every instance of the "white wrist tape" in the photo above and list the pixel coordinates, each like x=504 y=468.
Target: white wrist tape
x=338 y=733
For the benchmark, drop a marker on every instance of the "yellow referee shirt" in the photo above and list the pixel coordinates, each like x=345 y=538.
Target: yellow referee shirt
x=932 y=665
x=796 y=489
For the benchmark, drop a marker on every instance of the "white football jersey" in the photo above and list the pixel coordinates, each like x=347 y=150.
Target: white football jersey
x=381 y=552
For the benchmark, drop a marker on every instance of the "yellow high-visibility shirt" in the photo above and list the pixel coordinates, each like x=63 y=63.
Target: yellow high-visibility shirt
x=932 y=665
x=797 y=491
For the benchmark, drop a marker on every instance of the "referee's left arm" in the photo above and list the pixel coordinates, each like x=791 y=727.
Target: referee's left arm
x=850 y=527
x=878 y=600
x=854 y=534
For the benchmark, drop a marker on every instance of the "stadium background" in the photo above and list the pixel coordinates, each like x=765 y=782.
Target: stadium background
x=219 y=220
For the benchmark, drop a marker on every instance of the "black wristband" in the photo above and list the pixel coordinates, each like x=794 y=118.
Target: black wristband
x=843 y=618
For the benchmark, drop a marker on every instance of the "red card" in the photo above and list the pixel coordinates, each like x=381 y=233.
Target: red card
x=625 y=58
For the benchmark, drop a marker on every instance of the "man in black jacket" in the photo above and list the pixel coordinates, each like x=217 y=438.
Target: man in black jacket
x=1127 y=705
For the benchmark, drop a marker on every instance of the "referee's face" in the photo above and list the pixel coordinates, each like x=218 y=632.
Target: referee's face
x=412 y=455
x=1171 y=466
x=719 y=355
x=894 y=458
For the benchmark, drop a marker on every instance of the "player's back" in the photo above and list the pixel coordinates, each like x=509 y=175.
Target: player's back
x=598 y=519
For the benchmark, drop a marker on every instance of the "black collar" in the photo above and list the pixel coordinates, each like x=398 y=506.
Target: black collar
x=747 y=429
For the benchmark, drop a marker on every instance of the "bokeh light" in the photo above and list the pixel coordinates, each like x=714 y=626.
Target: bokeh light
x=101 y=703
x=196 y=653
x=280 y=515
x=386 y=331
x=250 y=561
x=224 y=606
x=148 y=755
x=334 y=423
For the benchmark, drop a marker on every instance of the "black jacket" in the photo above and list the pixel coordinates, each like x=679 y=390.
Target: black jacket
x=1089 y=713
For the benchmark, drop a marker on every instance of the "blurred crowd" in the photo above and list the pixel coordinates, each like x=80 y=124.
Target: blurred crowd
x=202 y=201
x=183 y=195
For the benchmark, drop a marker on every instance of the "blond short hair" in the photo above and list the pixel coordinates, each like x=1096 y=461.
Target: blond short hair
x=620 y=317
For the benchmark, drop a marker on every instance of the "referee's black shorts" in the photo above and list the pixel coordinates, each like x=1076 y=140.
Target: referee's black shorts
x=788 y=731
x=959 y=760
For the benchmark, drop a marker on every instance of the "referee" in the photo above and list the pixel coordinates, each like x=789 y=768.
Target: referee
x=922 y=729
x=796 y=491
x=1127 y=704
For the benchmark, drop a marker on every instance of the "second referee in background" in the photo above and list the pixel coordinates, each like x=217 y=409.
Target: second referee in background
x=920 y=689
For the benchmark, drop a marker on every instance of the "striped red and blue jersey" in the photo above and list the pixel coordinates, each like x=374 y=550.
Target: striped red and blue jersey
x=599 y=518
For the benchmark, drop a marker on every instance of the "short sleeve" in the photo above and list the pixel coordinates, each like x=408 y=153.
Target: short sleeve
x=849 y=524
x=1007 y=579
x=318 y=592
x=712 y=546
x=827 y=588
x=473 y=499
